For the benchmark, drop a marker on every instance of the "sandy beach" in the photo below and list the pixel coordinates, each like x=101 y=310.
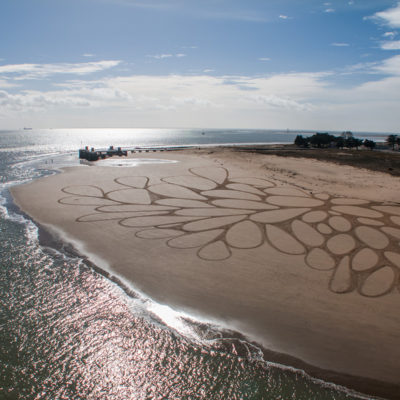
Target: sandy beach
x=301 y=256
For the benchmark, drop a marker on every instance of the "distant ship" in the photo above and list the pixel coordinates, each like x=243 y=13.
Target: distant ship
x=27 y=129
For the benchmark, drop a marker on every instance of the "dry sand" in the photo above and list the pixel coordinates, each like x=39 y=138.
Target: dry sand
x=301 y=256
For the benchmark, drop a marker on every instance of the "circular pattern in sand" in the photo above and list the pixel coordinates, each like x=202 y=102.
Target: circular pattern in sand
x=340 y=224
x=372 y=237
x=341 y=244
x=364 y=260
x=221 y=216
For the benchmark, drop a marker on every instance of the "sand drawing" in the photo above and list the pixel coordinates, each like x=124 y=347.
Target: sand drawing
x=356 y=241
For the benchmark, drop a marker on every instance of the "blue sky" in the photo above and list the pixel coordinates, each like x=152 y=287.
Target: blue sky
x=298 y=64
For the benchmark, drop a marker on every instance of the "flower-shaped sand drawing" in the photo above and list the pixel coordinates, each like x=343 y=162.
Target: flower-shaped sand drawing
x=215 y=215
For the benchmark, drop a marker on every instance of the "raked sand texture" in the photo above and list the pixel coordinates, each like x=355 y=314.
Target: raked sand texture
x=305 y=273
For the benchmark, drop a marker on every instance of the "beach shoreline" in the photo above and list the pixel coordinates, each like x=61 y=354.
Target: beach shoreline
x=30 y=200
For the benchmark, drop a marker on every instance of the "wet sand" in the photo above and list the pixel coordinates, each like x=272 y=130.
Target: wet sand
x=300 y=256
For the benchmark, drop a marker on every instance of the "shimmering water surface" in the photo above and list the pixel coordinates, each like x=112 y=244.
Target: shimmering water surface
x=68 y=332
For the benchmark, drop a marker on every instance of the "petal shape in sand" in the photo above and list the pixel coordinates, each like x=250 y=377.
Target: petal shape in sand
x=349 y=202
x=341 y=281
x=257 y=182
x=286 y=191
x=130 y=196
x=274 y=216
x=84 y=190
x=372 y=237
x=340 y=224
x=116 y=216
x=212 y=223
x=392 y=231
x=393 y=257
x=314 y=216
x=85 y=201
x=378 y=282
x=137 y=182
x=157 y=233
x=175 y=191
x=231 y=194
x=283 y=241
x=319 y=259
x=244 y=235
x=307 y=234
x=192 y=240
x=341 y=244
x=138 y=222
x=364 y=260
x=324 y=229
x=241 y=187
x=246 y=204
x=133 y=208
x=368 y=221
x=388 y=209
x=212 y=212
x=396 y=220
x=322 y=196
x=192 y=182
x=215 y=251
x=216 y=174
x=358 y=211
x=183 y=203
x=294 y=201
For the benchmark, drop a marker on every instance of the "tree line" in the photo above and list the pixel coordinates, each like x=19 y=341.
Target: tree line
x=345 y=140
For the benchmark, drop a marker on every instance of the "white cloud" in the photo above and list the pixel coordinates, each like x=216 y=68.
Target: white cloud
x=340 y=44
x=159 y=56
x=390 y=66
x=264 y=59
x=296 y=100
x=330 y=10
x=393 y=45
x=389 y=17
x=36 y=71
x=282 y=16
x=88 y=55
x=389 y=34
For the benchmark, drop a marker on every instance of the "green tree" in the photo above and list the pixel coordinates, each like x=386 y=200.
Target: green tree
x=369 y=144
x=391 y=140
x=339 y=142
x=301 y=141
x=351 y=142
x=321 y=140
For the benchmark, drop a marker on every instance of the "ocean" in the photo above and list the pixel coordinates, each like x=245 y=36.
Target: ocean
x=69 y=331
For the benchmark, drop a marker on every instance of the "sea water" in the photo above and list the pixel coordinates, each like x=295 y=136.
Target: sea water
x=69 y=332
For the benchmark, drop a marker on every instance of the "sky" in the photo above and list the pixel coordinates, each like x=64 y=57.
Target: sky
x=262 y=64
